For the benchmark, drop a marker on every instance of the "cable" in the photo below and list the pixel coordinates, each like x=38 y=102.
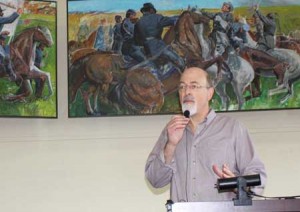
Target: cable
x=187 y=165
x=251 y=193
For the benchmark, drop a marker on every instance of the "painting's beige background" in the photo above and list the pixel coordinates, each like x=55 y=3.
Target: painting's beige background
x=97 y=164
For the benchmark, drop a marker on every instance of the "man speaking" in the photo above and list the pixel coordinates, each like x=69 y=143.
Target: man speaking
x=200 y=146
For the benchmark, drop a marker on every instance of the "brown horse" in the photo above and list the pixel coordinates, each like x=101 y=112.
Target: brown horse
x=288 y=43
x=137 y=90
x=96 y=69
x=263 y=64
x=292 y=73
x=87 y=43
x=184 y=40
x=22 y=50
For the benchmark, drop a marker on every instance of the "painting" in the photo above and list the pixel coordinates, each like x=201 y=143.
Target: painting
x=28 y=59
x=126 y=57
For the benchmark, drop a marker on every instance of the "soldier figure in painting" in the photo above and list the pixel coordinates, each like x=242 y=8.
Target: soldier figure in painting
x=129 y=47
x=148 y=32
x=222 y=33
x=117 y=36
x=5 y=58
x=4 y=49
x=267 y=39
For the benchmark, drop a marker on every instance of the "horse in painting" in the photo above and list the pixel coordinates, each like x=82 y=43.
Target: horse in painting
x=22 y=50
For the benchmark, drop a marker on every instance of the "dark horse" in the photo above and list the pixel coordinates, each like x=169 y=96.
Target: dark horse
x=292 y=73
x=136 y=90
x=264 y=65
x=22 y=50
x=184 y=40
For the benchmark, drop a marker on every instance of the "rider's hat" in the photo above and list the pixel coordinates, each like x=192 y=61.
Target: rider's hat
x=147 y=6
x=230 y=5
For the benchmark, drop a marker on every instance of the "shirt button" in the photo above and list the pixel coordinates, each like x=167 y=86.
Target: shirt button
x=195 y=146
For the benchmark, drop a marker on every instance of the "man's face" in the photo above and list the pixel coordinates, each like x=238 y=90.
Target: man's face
x=225 y=8
x=132 y=16
x=194 y=93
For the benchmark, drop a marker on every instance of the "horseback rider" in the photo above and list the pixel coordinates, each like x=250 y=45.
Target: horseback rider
x=5 y=57
x=239 y=31
x=267 y=39
x=117 y=35
x=4 y=49
x=222 y=34
x=148 y=31
x=129 y=47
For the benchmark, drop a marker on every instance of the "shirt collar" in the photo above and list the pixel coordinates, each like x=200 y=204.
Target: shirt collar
x=208 y=119
x=210 y=116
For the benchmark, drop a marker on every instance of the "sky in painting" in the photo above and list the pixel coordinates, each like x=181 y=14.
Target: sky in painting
x=123 y=5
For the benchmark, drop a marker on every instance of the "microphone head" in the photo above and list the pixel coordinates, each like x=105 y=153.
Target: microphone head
x=186 y=113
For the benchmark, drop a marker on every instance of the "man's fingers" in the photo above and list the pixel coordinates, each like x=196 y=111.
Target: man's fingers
x=217 y=170
x=225 y=172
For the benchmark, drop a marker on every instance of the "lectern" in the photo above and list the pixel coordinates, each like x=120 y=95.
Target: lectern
x=274 y=205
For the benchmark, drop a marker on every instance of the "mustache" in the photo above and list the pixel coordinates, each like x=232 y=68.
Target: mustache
x=188 y=98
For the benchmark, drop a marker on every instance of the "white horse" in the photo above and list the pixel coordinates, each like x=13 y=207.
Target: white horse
x=242 y=71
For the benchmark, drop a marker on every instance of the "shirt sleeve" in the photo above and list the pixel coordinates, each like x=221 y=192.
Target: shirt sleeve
x=9 y=19
x=157 y=171
x=264 y=19
x=248 y=161
x=167 y=21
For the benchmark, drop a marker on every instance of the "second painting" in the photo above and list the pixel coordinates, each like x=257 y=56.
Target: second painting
x=126 y=58
x=28 y=59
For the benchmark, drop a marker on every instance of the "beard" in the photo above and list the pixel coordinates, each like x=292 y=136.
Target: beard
x=190 y=107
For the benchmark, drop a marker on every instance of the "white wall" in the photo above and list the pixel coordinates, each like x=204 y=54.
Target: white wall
x=97 y=164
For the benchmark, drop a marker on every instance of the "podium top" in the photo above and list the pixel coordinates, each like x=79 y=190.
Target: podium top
x=228 y=206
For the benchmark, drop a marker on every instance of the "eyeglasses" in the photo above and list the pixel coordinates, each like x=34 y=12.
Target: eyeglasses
x=192 y=87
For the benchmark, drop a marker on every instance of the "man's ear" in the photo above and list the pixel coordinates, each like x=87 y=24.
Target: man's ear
x=211 y=91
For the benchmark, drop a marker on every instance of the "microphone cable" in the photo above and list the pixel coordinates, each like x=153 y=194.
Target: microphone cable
x=186 y=114
x=251 y=193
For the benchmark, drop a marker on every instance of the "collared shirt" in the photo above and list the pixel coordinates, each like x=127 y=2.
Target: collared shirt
x=217 y=140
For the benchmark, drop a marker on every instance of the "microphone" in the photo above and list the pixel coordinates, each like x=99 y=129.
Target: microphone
x=186 y=113
x=232 y=183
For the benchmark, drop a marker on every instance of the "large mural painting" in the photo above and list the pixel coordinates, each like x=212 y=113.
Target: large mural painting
x=28 y=59
x=126 y=57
